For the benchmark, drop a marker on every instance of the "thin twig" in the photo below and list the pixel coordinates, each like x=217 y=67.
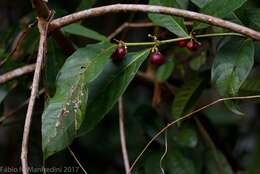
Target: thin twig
x=130 y=25
x=43 y=29
x=16 y=73
x=186 y=117
x=165 y=152
x=8 y=114
x=181 y=38
x=76 y=159
x=116 y=8
x=122 y=134
x=18 y=42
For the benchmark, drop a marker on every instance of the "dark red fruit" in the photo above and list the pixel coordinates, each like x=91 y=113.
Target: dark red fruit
x=119 y=54
x=182 y=43
x=156 y=58
x=191 y=45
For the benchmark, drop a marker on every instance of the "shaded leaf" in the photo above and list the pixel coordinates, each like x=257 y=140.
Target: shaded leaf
x=85 y=4
x=147 y=114
x=197 y=62
x=110 y=84
x=215 y=8
x=177 y=163
x=186 y=97
x=250 y=87
x=187 y=136
x=165 y=71
x=3 y=94
x=217 y=163
x=152 y=163
x=64 y=112
x=254 y=158
x=2 y=53
x=54 y=62
x=183 y=3
x=80 y=30
x=225 y=117
x=173 y=24
x=231 y=66
x=253 y=14
x=200 y=3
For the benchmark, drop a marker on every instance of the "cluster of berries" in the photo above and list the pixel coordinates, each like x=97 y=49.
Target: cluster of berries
x=155 y=57
x=190 y=44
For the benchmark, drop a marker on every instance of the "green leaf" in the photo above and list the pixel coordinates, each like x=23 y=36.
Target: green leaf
x=64 y=113
x=111 y=83
x=215 y=7
x=186 y=97
x=152 y=163
x=224 y=118
x=54 y=62
x=147 y=114
x=2 y=53
x=253 y=14
x=230 y=69
x=197 y=62
x=3 y=94
x=231 y=66
x=219 y=8
x=200 y=3
x=80 y=30
x=254 y=158
x=165 y=71
x=172 y=23
x=217 y=163
x=183 y=3
x=250 y=87
x=177 y=163
x=187 y=137
x=85 y=4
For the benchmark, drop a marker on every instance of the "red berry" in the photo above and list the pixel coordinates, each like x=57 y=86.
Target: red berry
x=191 y=45
x=156 y=58
x=182 y=43
x=119 y=54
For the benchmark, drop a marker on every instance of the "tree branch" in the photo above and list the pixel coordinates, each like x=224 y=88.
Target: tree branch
x=41 y=8
x=116 y=8
x=44 y=12
x=122 y=134
x=43 y=29
x=130 y=25
x=16 y=73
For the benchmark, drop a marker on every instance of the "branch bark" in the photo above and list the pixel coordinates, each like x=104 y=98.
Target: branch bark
x=122 y=134
x=116 y=8
x=44 y=12
x=16 y=73
x=43 y=29
x=130 y=25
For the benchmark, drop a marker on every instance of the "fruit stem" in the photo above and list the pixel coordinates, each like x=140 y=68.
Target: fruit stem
x=178 y=39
